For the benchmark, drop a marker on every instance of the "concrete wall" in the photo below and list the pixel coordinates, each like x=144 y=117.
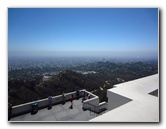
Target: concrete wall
x=116 y=100
x=43 y=103
x=103 y=105
x=93 y=104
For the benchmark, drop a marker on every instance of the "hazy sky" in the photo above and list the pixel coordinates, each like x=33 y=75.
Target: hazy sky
x=83 y=31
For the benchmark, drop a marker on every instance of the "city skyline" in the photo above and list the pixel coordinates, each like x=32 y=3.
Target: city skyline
x=116 y=32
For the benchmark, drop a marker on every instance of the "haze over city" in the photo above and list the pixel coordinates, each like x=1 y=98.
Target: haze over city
x=101 y=32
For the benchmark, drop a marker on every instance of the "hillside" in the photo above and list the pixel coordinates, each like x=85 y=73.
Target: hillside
x=67 y=81
x=106 y=74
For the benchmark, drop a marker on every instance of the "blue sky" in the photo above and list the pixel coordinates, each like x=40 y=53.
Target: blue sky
x=83 y=31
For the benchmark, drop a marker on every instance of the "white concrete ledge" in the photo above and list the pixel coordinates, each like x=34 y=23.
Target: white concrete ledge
x=135 y=102
x=93 y=104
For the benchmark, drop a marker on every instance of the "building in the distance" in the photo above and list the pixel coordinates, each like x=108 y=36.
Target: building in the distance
x=46 y=78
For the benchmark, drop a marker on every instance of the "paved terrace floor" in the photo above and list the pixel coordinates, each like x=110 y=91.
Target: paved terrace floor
x=59 y=113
